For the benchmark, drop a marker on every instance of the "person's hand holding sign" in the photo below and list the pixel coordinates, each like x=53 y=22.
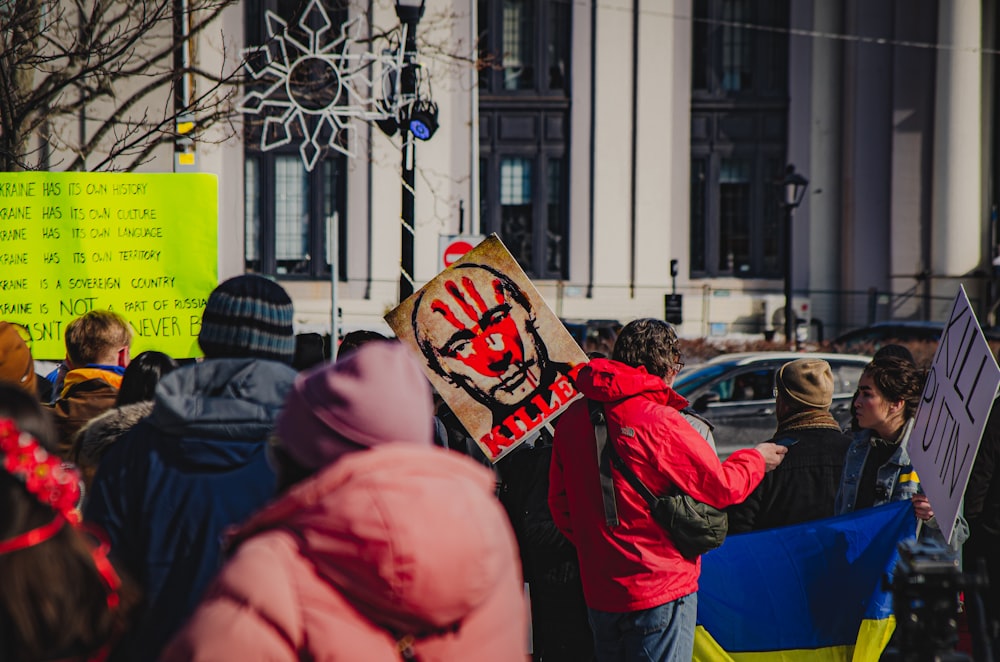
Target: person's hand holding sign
x=922 y=507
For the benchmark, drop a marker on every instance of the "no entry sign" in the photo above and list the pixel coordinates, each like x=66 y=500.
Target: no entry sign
x=455 y=246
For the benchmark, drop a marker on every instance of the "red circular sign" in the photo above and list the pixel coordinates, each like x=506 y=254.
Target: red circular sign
x=455 y=250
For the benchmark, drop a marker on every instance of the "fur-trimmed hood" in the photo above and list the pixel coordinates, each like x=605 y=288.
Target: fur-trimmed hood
x=96 y=437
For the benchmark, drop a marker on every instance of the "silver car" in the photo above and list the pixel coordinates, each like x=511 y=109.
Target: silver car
x=735 y=392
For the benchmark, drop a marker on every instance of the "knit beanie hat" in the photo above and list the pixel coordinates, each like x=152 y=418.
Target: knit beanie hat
x=376 y=395
x=16 y=365
x=248 y=316
x=808 y=382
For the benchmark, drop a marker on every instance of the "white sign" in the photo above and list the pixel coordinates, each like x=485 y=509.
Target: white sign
x=454 y=246
x=956 y=402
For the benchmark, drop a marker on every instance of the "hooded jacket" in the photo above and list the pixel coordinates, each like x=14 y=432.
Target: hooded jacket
x=86 y=393
x=94 y=439
x=396 y=543
x=167 y=490
x=635 y=565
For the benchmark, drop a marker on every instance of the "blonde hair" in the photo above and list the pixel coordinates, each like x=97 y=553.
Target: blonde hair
x=90 y=338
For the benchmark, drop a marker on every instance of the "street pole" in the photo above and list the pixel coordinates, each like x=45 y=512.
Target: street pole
x=333 y=253
x=792 y=190
x=790 y=334
x=408 y=88
x=406 y=217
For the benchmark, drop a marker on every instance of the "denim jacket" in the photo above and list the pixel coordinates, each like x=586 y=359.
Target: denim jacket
x=896 y=480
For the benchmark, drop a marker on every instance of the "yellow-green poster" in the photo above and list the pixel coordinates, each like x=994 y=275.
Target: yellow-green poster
x=143 y=245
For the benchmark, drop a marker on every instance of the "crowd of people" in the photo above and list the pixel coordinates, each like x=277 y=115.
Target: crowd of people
x=266 y=502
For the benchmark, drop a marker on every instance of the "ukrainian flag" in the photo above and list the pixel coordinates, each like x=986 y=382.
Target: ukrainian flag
x=806 y=593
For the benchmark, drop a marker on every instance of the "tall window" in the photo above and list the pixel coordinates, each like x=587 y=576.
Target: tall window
x=287 y=208
x=739 y=114
x=524 y=109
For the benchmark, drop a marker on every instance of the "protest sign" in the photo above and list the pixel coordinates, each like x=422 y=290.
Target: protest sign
x=495 y=352
x=143 y=245
x=950 y=419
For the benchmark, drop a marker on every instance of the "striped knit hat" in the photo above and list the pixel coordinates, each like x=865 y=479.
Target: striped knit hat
x=248 y=316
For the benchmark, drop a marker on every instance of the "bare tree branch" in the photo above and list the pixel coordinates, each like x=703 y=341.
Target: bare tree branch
x=111 y=67
x=114 y=70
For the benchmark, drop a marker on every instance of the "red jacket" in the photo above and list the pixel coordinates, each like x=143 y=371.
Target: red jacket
x=635 y=565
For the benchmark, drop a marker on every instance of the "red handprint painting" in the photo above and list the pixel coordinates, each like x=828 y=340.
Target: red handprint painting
x=499 y=358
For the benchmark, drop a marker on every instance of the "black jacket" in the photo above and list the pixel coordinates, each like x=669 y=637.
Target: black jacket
x=560 y=629
x=801 y=488
x=982 y=510
x=982 y=496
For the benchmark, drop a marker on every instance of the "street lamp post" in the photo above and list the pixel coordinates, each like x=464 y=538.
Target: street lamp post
x=409 y=12
x=793 y=189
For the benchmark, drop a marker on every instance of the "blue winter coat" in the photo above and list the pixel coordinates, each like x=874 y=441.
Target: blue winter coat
x=170 y=487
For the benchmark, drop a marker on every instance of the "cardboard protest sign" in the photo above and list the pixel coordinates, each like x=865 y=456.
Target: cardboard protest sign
x=498 y=356
x=143 y=245
x=955 y=404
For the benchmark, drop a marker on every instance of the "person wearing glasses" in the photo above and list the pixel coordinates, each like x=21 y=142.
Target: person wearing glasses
x=641 y=592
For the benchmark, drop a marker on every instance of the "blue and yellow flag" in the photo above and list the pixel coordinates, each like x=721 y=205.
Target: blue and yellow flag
x=811 y=592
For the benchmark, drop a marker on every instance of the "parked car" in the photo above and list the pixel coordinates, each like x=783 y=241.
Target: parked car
x=735 y=392
x=594 y=335
x=919 y=336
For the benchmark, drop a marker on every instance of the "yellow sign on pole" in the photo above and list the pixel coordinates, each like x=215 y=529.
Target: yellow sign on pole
x=143 y=245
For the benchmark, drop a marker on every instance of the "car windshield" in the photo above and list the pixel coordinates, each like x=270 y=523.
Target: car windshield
x=691 y=381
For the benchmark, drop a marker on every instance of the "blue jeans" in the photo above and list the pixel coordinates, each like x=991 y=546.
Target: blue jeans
x=658 y=634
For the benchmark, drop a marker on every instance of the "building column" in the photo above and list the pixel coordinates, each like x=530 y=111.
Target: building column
x=958 y=205
x=867 y=155
x=824 y=164
x=911 y=170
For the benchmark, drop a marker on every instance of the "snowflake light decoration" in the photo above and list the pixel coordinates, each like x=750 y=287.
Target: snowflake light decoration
x=310 y=82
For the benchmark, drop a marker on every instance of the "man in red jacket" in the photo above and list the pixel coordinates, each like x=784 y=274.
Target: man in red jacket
x=640 y=591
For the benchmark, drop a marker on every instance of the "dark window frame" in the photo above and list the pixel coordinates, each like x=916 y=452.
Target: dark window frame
x=492 y=213
x=549 y=30
x=543 y=107
x=765 y=46
x=763 y=212
x=747 y=123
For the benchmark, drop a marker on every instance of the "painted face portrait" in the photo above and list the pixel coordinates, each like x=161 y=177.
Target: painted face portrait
x=477 y=331
x=499 y=358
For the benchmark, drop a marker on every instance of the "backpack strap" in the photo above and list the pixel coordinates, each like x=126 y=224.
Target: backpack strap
x=600 y=423
x=630 y=476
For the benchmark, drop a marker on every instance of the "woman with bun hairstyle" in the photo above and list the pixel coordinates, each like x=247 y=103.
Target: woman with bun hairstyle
x=877 y=469
x=61 y=598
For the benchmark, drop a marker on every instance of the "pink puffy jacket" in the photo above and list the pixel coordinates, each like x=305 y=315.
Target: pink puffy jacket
x=385 y=545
